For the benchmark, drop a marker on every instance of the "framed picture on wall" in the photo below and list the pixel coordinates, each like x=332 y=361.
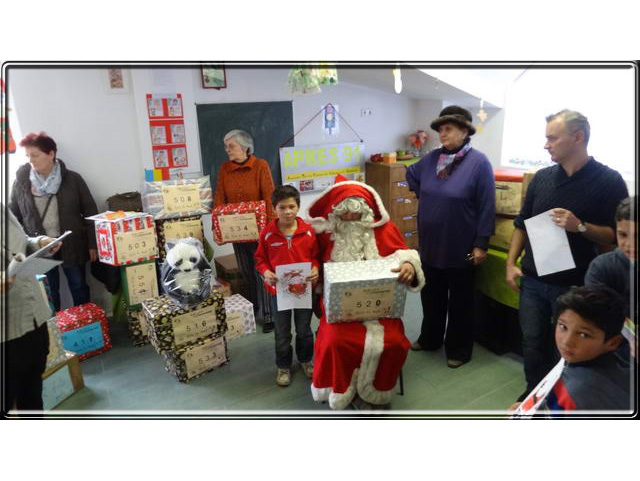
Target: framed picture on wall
x=213 y=76
x=117 y=80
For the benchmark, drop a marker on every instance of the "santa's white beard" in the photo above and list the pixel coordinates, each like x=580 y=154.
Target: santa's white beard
x=353 y=241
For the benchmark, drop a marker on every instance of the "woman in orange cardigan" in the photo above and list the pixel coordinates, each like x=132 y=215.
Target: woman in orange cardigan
x=243 y=178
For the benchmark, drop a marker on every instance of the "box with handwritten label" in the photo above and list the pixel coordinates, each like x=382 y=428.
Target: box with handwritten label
x=61 y=381
x=172 y=326
x=240 y=222
x=240 y=318
x=170 y=199
x=137 y=325
x=362 y=290
x=84 y=330
x=125 y=237
x=139 y=282
x=178 y=229
x=189 y=362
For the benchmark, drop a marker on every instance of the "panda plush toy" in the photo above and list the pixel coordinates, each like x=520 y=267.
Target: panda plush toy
x=186 y=273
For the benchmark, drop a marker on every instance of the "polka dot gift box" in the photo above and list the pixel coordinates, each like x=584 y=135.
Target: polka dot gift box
x=362 y=290
x=171 y=326
x=240 y=318
x=84 y=330
x=190 y=362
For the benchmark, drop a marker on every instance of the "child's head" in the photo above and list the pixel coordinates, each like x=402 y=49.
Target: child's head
x=286 y=202
x=626 y=228
x=589 y=320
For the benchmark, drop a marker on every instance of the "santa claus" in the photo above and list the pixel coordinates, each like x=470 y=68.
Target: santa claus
x=359 y=361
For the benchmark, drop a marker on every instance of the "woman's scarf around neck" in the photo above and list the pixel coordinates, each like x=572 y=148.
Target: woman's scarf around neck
x=46 y=186
x=449 y=160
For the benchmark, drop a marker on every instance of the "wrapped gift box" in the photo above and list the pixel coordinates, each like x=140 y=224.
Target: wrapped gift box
x=240 y=222
x=240 y=318
x=170 y=199
x=190 y=362
x=56 y=346
x=61 y=381
x=172 y=326
x=125 y=237
x=508 y=191
x=227 y=270
x=502 y=238
x=178 y=229
x=362 y=290
x=84 y=329
x=138 y=330
x=139 y=282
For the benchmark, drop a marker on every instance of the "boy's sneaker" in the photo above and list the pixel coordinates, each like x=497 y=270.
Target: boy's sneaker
x=307 y=367
x=283 y=377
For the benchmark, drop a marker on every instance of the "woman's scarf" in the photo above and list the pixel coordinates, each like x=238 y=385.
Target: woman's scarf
x=448 y=161
x=46 y=186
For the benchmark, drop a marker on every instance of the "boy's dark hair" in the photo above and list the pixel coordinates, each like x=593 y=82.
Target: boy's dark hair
x=623 y=212
x=599 y=305
x=285 y=192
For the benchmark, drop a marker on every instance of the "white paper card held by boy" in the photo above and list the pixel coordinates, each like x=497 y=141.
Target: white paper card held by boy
x=532 y=402
x=549 y=245
x=292 y=289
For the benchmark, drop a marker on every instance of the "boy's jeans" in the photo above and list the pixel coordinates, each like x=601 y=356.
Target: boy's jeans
x=304 y=336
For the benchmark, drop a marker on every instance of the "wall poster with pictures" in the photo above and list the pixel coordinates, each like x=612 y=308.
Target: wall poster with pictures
x=213 y=76
x=168 y=138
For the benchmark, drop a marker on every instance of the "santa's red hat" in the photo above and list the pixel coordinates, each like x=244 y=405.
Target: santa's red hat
x=320 y=209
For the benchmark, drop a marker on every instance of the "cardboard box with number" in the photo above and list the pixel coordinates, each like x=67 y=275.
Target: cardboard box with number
x=240 y=222
x=139 y=282
x=125 y=237
x=189 y=362
x=363 y=290
x=508 y=191
x=240 y=318
x=178 y=229
x=172 y=326
x=61 y=381
x=84 y=330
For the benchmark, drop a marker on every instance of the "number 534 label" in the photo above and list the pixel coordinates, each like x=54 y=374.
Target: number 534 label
x=368 y=302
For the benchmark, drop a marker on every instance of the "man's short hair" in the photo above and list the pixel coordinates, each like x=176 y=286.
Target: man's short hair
x=285 y=192
x=575 y=122
x=623 y=212
x=599 y=305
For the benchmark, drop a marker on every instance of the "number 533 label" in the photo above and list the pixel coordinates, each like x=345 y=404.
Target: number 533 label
x=368 y=302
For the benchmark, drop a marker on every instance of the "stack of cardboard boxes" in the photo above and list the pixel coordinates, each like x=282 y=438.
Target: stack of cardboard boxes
x=390 y=181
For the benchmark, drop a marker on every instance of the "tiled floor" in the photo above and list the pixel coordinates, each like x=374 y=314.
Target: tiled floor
x=133 y=379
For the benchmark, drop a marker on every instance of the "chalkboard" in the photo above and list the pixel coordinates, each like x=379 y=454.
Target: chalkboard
x=269 y=123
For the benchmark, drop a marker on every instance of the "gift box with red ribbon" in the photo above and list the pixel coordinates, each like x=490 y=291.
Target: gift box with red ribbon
x=240 y=222
x=84 y=330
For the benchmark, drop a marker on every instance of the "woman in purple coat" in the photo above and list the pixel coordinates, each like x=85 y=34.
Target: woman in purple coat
x=456 y=216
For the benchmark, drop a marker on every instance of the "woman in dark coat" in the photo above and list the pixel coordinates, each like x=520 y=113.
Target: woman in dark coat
x=456 y=215
x=48 y=199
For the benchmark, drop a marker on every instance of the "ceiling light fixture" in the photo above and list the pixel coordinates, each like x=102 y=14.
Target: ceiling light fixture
x=397 y=84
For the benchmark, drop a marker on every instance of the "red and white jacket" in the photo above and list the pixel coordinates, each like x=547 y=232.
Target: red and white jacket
x=274 y=249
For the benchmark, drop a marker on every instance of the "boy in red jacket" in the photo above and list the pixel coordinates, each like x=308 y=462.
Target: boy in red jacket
x=288 y=240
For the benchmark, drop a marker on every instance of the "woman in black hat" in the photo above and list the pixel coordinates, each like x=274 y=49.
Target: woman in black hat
x=456 y=216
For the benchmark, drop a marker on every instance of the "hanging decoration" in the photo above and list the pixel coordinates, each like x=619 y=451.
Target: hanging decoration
x=306 y=80
x=4 y=128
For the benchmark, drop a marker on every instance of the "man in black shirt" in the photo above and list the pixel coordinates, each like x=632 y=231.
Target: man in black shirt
x=582 y=195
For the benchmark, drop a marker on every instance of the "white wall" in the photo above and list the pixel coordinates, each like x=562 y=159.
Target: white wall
x=489 y=141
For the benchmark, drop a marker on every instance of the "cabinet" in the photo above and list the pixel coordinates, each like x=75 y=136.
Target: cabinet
x=390 y=181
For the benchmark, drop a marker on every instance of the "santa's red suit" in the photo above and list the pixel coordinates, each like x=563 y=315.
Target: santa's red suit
x=363 y=358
